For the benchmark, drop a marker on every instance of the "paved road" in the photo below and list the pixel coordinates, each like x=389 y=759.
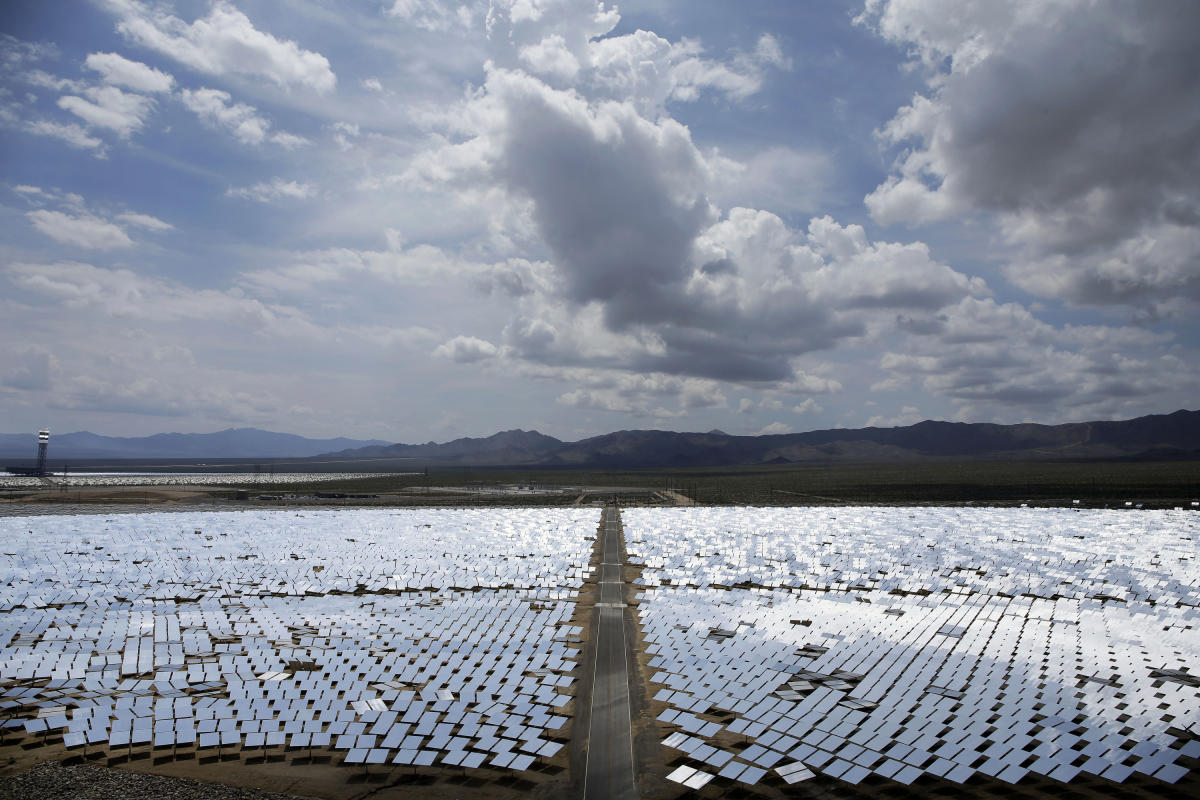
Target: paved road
x=609 y=771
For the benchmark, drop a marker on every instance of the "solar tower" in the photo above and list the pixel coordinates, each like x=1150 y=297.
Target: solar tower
x=43 y=442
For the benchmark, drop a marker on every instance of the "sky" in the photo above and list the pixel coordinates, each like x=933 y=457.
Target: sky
x=416 y=220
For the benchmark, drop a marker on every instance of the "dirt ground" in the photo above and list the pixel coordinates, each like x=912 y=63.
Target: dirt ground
x=304 y=772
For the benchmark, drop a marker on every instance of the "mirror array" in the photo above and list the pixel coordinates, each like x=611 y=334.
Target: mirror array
x=185 y=479
x=409 y=637
x=903 y=642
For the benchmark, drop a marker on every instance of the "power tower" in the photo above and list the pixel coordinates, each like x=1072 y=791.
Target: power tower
x=43 y=443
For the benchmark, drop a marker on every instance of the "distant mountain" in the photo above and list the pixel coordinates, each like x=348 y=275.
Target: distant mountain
x=1156 y=437
x=504 y=448
x=231 y=443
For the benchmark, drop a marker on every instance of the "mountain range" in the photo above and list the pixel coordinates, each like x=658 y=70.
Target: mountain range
x=1154 y=437
x=231 y=443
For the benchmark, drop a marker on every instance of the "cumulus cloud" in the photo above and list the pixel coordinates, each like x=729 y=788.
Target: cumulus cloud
x=1076 y=123
x=73 y=224
x=645 y=263
x=16 y=53
x=216 y=107
x=466 y=350
x=84 y=231
x=774 y=428
x=998 y=361
x=44 y=80
x=344 y=133
x=144 y=221
x=639 y=394
x=276 y=189
x=809 y=406
x=644 y=204
x=858 y=273
x=109 y=107
x=118 y=70
x=431 y=15
x=72 y=134
x=225 y=42
x=598 y=399
x=803 y=383
x=571 y=42
x=769 y=51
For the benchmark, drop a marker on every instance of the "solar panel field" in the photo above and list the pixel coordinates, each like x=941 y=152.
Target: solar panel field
x=952 y=642
x=775 y=650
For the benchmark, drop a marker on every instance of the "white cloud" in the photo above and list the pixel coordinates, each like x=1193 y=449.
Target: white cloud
x=135 y=75
x=72 y=134
x=289 y=141
x=109 y=107
x=642 y=394
x=15 y=53
x=215 y=106
x=466 y=350
x=45 y=80
x=806 y=383
x=83 y=231
x=881 y=274
x=372 y=84
x=1073 y=124
x=223 y=43
x=809 y=406
x=1157 y=265
x=598 y=399
x=432 y=15
x=145 y=221
x=652 y=278
x=125 y=294
x=243 y=121
x=652 y=71
x=551 y=57
x=570 y=42
x=998 y=361
x=774 y=429
x=344 y=133
x=769 y=51
x=276 y=189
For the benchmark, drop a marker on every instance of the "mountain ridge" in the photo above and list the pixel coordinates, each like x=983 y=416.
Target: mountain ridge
x=1155 y=436
x=1151 y=437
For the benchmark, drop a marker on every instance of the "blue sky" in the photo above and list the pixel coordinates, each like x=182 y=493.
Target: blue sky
x=417 y=219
